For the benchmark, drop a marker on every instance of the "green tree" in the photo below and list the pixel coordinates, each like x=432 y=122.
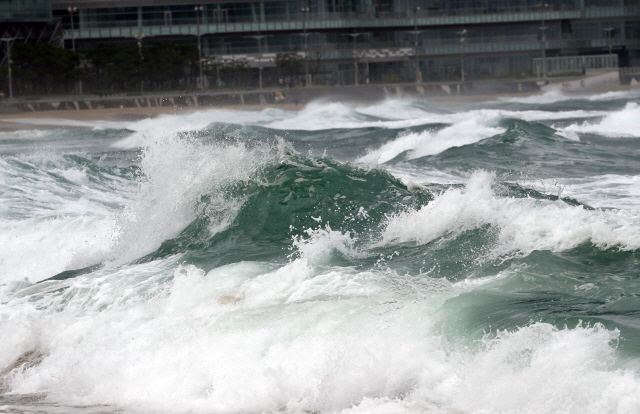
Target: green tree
x=291 y=63
x=40 y=67
x=115 y=66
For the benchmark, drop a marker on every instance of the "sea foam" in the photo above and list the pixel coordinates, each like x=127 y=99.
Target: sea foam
x=624 y=123
x=249 y=338
x=522 y=224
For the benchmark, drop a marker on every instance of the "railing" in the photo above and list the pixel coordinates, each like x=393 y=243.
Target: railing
x=225 y=22
x=576 y=63
x=630 y=71
x=367 y=53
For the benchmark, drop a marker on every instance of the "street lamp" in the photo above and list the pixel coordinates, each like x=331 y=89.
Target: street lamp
x=9 y=41
x=415 y=46
x=609 y=31
x=355 y=55
x=71 y=11
x=543 y=40
x=304 y=11
x=259 y=38
x=139 y=38
x=462 y=33
x=198 y=10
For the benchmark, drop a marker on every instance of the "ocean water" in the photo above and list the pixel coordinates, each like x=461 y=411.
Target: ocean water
x=399 y=257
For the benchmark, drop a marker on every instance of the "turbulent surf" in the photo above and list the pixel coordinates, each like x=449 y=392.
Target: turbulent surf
x=399 y=257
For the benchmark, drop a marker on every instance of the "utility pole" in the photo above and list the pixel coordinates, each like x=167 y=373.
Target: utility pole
x=198 y=10
x=415 y=46
x=72 y=11
x=304 y=11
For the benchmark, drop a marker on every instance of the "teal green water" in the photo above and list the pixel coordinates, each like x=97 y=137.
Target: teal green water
x=397 y=257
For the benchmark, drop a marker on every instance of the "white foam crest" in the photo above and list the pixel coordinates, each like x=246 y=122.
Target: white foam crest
x=614 y=95
x=551 y=96
x=624 y=123
x=227 y=362
x=23 y=133
x=177 y=173
x=522 y=225
x=35 y=249
x=171 y=124
x=537 y=369
x=51 y=210
x=322 y=242
x=75 y=123
x=250 y=338
x=604 y=191
x=393 y=109
x=419 y=144
x=319 y=115
x=409 y=172
x=556 y=95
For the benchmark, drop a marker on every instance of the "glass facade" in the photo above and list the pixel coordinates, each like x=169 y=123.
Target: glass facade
x=502 y=36
x=25 y=10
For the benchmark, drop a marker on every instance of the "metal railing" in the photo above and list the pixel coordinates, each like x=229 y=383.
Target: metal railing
x=576 y=63
x=225 y=23
x=630 y=71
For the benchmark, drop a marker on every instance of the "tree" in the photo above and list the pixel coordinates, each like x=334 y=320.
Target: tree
x=291 y=63
x=232 y=72
x=40 y=67
x=115 y=66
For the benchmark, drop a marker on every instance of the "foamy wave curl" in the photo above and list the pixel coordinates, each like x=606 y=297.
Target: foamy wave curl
x=522 y=224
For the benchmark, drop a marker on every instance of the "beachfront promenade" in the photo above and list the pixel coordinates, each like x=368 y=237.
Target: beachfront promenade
x=301 y=95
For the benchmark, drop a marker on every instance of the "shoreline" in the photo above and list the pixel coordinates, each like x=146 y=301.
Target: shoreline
x=114 y=114
x=8 y=121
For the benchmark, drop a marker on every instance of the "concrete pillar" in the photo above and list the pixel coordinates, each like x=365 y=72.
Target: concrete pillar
x=139 y=16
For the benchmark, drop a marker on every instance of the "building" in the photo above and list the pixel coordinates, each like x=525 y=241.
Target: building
x=29 y=20
x=351 y=41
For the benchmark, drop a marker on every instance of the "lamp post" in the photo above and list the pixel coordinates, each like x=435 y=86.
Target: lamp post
x=304 y=11
x=72 y=11
x=462 y=33
x=609 y=31
x=543 y=41
x=139 y=37
x=355 y=55
x=9 y=41
x=259 y=38
x=415 y=46
x=198 y=10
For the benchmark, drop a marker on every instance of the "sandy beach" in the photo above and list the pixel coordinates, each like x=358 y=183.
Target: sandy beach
x=9 y=122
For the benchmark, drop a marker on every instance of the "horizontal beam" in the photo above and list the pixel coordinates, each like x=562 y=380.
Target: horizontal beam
x=365 y=22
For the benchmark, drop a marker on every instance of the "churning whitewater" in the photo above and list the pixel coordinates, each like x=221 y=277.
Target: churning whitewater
x=400 y=257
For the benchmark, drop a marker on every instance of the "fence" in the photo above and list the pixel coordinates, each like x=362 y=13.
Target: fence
x=575 y=63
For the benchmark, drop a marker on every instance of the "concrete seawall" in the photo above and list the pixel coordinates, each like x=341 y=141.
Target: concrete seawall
x=360 y=93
